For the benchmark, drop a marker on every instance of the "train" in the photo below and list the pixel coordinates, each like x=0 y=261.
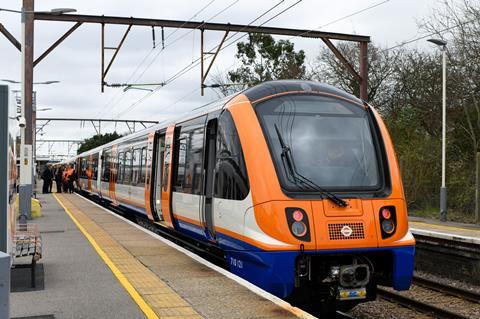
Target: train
x=9 y=209
x=295 y=184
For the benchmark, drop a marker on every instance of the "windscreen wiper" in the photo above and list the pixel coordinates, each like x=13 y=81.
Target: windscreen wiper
x=297 y=177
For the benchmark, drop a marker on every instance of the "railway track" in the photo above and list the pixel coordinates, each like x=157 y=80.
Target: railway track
x=446 y=289
x=418 y=305
x=343 y=315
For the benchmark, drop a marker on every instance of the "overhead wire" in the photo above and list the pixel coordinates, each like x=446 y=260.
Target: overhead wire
x=183 y=36
x=106 y=106
x=195 y=63
x=428 y=35
x=198 y=59
x=325 y=25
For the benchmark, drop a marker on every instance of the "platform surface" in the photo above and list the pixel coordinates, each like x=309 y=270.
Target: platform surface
x=100 y=266
x=469 y=233
x=78 y=284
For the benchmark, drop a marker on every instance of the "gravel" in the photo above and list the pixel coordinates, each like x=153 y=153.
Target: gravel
x=447 y=281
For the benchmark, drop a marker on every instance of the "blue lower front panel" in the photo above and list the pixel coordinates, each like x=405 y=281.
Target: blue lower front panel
x=274 y=271
x=271 y=271
x=403 y=264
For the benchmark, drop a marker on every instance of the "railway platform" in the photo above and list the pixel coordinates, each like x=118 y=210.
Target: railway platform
x=447 y=249
x=453 y=231
x=99 y=265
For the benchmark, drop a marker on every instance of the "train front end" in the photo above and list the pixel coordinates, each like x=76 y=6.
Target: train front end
x=328 y=218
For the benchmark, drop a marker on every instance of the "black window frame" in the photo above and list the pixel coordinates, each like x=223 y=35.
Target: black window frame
x=106 y=166
x=143 y=166
x=94 y=165
x=120 y=167
x=234 y=191
x=127 y=167
x=193 y=156
x=136 y=165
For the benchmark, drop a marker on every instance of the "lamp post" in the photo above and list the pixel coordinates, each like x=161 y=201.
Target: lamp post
x=27 y=133
x=443 y=189
x=27 y=158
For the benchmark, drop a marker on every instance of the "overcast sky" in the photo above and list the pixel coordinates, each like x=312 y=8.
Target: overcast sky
x=76 y=62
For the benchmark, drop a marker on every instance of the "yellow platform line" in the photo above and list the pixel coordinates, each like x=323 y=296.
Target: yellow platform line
x=142 y=304
x=444 y=227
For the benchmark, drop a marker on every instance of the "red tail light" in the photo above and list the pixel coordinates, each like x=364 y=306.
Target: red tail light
x=386 y=213
x=297 y=215
x=297 y=221
x=388 y=221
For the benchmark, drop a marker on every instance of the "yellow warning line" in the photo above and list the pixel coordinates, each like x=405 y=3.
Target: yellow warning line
x=147 y=310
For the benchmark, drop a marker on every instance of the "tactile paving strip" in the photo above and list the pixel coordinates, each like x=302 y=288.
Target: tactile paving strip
x=163 y=300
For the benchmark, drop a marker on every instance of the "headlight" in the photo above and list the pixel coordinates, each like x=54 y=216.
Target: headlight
x=388 y=226
x=299 y=229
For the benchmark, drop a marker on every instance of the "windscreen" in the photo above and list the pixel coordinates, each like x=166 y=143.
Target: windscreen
x=329 y=141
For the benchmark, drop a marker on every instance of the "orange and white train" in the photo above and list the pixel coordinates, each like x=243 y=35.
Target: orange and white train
x=295 y=183
x=8 y=214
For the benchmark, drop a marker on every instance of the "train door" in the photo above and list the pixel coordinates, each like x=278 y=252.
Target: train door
x=100 y=165
x=209 y=166
x=149 y=175
x=113 y=175
x=159 y=160
x=89 y=173
x=166 y=192
x=188 y=176
x=105 y=176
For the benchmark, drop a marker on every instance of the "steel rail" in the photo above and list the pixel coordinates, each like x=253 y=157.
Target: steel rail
x=417 y=305
x=447 y=289
x=343 y=315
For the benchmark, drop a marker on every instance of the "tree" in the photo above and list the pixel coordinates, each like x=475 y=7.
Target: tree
x=97 y=140
x=382 y=65
x=263 y=59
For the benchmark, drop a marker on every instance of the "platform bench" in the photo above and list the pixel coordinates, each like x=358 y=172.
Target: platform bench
x=28 y=243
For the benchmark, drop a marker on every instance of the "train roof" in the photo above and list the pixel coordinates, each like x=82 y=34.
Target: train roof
x=196 y=112
x=270 y=88
x=254 y=93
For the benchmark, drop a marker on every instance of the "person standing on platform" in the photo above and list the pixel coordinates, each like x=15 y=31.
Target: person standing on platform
x=52 y=172
x=47 y=179
x=65 y=179
x=59 y=179
x=70 y=179
x=74 y=178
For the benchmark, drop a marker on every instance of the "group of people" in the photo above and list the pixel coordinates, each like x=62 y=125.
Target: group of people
x=64 y=176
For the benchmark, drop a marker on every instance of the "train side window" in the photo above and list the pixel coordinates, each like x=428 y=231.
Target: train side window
x=136 y=165
x=231 y=178
x=143 y=169
x=83 y=167
x=95 y=166
x=166 y=165
x=182 y=154
x=189 y=172
x=127 y=177
x=148 y=160
x=106 y=167
x=121 y=167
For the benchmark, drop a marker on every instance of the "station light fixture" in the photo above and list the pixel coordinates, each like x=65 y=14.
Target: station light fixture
x=55 y=11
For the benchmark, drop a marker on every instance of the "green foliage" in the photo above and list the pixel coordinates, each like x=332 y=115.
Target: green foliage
x=97 y=140
x=264 y=59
